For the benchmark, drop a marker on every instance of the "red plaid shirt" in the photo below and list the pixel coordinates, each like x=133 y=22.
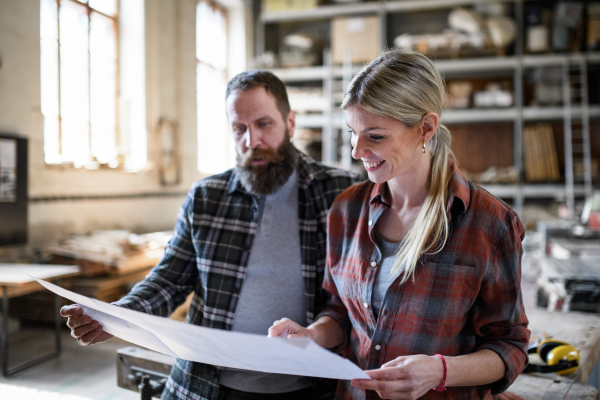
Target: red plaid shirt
x=465 y=298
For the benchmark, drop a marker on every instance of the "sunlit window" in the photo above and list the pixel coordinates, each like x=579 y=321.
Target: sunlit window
x=216 y=151
x=79 y=76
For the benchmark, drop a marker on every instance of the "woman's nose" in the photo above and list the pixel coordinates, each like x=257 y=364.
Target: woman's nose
x=358 y=150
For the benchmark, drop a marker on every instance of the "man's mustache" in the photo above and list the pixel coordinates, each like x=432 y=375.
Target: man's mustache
x=271 y=155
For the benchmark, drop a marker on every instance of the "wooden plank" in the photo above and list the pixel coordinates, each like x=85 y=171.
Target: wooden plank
x=105 y=283
x=558 y=390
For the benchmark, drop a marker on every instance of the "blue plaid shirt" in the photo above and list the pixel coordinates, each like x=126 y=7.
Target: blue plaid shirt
x=209 y=252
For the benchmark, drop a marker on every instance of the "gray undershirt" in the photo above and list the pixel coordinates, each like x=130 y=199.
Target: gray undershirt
x=273 y=287
x=384 y=279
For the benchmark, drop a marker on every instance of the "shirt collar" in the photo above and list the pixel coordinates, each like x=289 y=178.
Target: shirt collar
x=458 y=188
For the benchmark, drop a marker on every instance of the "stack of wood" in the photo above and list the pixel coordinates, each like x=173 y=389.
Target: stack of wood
x=110 y=262
x=541 y=163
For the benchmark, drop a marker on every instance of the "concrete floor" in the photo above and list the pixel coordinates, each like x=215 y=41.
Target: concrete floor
x=79 y=373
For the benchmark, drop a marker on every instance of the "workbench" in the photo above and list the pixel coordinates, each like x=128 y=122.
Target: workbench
x=582 y=330
x=15 y=282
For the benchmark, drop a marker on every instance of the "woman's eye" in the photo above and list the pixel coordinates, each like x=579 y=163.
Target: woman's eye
x=376 y=138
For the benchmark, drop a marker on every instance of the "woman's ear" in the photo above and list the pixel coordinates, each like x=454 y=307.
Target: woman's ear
x=429 y=125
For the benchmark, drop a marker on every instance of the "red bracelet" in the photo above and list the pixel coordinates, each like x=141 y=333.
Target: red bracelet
x=441 y=387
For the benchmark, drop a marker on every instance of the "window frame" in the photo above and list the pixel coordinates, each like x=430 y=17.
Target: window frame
x=115 y=22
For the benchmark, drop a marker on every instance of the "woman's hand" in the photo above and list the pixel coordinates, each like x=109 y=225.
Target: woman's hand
x=287 y=328
x=407 y=377
x=508 y=396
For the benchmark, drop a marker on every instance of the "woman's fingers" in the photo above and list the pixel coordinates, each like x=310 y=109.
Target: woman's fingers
x=282 y=328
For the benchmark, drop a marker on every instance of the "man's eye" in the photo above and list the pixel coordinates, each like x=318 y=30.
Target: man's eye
x=239 y=130
x=263 y=124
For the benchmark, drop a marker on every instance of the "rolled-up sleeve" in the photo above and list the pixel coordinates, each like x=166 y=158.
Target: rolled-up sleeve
x=499 y=319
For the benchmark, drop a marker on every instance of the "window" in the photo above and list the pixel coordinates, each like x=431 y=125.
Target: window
x=79 y=81
x=216 y=150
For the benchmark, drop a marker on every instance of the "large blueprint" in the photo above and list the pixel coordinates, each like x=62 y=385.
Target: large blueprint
x=211 y=346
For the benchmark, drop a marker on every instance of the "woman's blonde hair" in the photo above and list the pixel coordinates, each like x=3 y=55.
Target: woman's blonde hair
x=405 y=85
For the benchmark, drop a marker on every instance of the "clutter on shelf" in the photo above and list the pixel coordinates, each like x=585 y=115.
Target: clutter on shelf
x=355 y=39
x=469 y=33
x=288 y=5
x=309 y=142
x=547 y=86
x=494 y=175
x=306 y=99
x=539 y=150
x=480 y=93
x=298 y=50
x=560 y=27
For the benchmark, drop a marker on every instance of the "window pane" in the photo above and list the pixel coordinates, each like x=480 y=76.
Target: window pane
x=219 y=43
x=216 y=151
x=204 y=29
x=108 y=7
x=49 y=78
x=103 y=90
x=74 y=82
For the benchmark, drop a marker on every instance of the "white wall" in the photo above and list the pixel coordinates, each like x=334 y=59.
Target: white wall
x=171 y=92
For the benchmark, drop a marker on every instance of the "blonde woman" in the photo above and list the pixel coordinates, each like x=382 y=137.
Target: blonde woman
x=423 y=266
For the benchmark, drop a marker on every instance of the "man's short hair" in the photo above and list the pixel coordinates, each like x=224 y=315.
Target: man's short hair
x=265 y=79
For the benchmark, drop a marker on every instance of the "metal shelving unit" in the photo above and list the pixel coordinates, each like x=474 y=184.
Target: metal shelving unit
x=514 y=66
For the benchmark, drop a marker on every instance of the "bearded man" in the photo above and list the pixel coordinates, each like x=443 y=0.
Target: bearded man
x=250 y=244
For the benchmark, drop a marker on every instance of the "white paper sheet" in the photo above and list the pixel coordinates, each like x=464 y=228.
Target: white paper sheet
x=213 y=346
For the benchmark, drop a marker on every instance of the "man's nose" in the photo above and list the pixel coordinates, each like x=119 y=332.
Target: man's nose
x=253 y=138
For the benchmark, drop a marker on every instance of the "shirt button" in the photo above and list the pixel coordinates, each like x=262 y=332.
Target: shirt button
x=378 y=347
x=366 y=305
x=370 y=222
x=373 y=264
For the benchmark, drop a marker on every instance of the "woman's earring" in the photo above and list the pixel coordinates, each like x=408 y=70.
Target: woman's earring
x=423 y=146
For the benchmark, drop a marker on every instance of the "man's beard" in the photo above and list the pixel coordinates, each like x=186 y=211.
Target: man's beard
x=267 y=179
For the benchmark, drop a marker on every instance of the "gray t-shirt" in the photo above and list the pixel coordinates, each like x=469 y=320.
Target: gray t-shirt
x=384 y=279
x=273 y=287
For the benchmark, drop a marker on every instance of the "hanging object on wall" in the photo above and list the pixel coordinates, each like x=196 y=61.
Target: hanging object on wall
x=168 y=159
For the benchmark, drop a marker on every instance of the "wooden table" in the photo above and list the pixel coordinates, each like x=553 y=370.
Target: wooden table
x=582 y=330
x=15 y=282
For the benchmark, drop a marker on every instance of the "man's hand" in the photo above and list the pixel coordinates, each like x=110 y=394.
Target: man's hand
x=83 y=327
x=287 y=328
x=407 y=377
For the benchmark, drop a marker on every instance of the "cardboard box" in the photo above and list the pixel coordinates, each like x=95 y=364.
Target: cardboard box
x=359 y=35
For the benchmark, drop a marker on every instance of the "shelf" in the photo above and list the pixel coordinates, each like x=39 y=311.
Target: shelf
x=478 y=115
x=557 y=60
x=374 y=7
x=483 y=64
x=531 y=190
x=556 y=113
x=467 y=116
x=323 y=12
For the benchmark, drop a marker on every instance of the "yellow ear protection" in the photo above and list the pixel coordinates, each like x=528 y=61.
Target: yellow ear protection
x=560 y=357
